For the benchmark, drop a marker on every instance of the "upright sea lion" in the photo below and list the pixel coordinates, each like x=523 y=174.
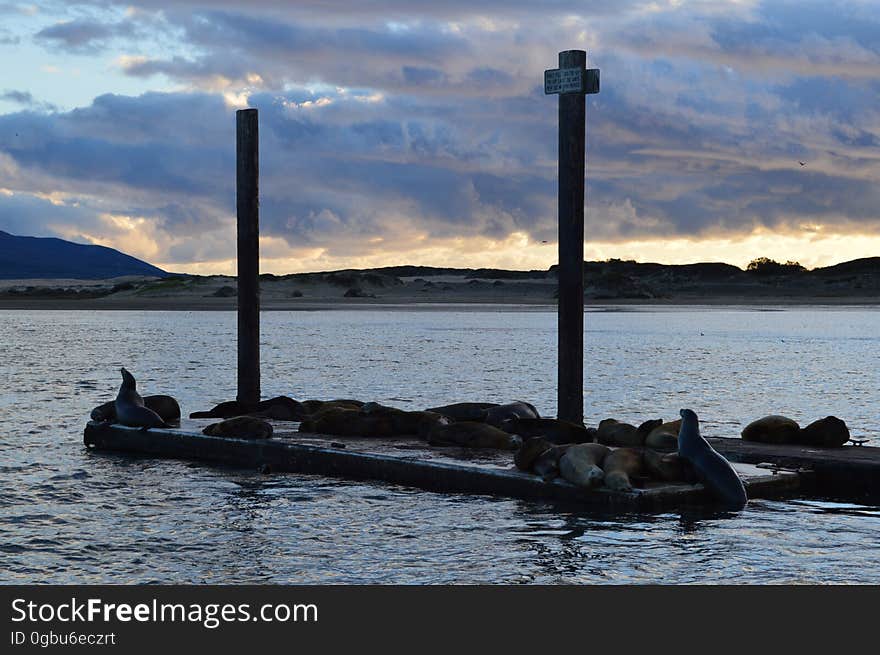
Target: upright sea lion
x=664 y=436
x=468 y=434
x=830 y=432
x=581 y=464
x=772 y=429
x=711 y=468
x=130 y=408
x=464 y=411
x=240 y=427
x=612 y=432
x=620 y=465
x=519 y=409
x=552 y=429
x=165 y=406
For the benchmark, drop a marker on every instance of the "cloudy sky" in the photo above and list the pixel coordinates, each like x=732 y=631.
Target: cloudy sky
x=410 y=131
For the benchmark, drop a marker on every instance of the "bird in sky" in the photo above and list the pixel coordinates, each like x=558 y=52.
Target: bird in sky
x=802 y=163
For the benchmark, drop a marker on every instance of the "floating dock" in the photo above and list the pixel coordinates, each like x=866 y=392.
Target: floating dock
x=413 y=462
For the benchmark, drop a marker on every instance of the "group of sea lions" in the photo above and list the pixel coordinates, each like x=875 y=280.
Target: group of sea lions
x=617 y=455
x=828 y=432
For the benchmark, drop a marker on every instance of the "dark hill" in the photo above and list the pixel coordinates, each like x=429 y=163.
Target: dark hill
x=37 y=257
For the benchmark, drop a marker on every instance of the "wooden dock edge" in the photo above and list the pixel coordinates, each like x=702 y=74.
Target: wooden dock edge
x=281 y=455
x=848 y=472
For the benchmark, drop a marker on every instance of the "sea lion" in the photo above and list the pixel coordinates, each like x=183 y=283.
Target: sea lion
x=130 y=408
x=240 y=427
x=529 y=451
x=281 y=408
x=772 y=429
x=344 y=422
x=547 y=463
x=552 y=429
x=830 y=432
x=401 y=422
x=668 y=467
x=165 y=406
x=664 y=436
x=468 y=434
x=518 y=409
x=612 y=432
x=715 y=472
x=464 y=411
x=314 y=406
x=620 y=465
x=581 y=464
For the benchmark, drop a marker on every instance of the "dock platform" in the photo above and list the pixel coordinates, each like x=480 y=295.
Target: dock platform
x=413 y=462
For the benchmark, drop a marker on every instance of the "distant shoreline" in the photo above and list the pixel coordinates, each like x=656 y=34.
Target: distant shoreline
x=200 y=305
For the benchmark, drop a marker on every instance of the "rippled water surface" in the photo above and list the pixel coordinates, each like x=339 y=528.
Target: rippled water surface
x=68 y=515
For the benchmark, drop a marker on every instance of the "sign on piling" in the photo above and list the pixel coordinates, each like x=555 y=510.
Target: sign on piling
x=248 y=206
x=571 y=81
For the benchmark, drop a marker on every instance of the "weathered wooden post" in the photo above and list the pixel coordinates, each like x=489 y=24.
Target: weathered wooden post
x=571 y=81
x=248 y=205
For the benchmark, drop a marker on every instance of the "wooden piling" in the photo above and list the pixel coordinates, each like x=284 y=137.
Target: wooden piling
x=572 y=117
x=248 y=207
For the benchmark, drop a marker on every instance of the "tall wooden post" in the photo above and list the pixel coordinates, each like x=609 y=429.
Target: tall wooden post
x=248 y=206
x=571 y=81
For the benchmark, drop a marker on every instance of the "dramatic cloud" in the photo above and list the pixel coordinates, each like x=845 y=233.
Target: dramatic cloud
x=393 y=129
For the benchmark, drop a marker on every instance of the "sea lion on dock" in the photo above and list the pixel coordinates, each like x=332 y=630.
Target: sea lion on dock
x=552 y=429
x=620 y=466
x=612 y=432
x=343 y=422
x=401 y=421
x=468 y=434
x=581 y=464
x=664 y=436
x=715 y=472
x=240 y=427
x=280 y=408
x=547 y=463
x=165 y=406
x=518 y=409
x=130 y=408
x=464 y=411
x=668 y=467
x=773 y=429
x=828 y=432
x=529 y=451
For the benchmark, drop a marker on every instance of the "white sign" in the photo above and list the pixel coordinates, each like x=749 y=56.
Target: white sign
x=571 y=80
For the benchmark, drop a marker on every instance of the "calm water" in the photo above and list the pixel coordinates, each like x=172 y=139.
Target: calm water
x=70 y=516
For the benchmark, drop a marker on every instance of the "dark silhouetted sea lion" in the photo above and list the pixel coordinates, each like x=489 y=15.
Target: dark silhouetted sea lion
x=529 y=451
x=552 y=429
x=664 y=436
x=547 y=463
x=165 y=406
x=829 y=432
x=581 y=464
x=240 y=427
x=519 y=409
x=715 y=472
x=469 y=434
x=401 y=422
x=280 y=408
x=772 y=429
x=620 y=466
x=612 y=432
x=344 y=422
x=668 y=467
x=130 y=408
x=463 y=411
